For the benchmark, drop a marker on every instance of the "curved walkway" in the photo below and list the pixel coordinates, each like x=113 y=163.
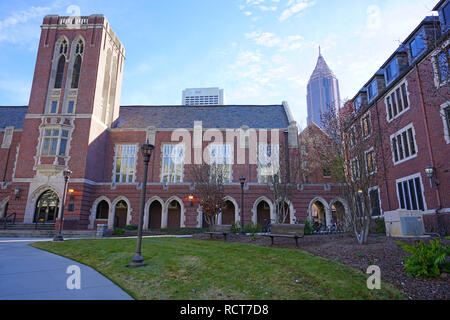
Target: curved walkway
x=27 y=273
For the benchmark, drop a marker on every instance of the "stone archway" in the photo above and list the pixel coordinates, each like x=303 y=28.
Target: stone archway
x=94 y=211
x=319 y=211
x=47 y=207
x=30 y=209
x=272 y=212
x=173 y=213
x=126 y=212
x=4 y=207
x=340 y=212
x=230 y=214
x=153 y=213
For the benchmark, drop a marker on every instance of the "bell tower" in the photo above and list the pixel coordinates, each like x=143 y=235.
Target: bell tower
x=75 y=97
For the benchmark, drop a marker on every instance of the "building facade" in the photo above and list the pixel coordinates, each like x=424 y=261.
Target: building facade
x=323 y=93
x=404 y=111
x=203 y=97
x=74 y=122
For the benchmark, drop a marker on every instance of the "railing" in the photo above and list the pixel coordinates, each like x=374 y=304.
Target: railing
x=73 y=21
x=8 y=218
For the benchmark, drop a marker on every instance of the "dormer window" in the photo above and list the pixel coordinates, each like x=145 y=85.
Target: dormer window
x=391 y=71
x=417 y=46
x=372 y=90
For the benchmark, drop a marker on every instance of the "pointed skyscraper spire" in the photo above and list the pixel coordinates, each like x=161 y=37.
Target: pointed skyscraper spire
x=322 y=69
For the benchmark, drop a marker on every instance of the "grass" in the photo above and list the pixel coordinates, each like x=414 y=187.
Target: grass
x=181 y=269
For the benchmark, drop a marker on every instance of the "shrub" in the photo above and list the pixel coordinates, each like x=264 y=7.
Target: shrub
x=118 y=231
x=309 y=227
x=236 y=227
x=131 y=228
x=427 y=260
x=252 y=228
x=380 y=226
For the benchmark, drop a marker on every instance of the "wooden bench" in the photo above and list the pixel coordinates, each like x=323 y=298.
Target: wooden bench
x=221 y=230
x=293 y=231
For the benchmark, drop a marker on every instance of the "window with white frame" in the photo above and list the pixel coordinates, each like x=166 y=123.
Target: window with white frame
x=370 y=161
x=443 y=61
x=221 y=161
x=404 y=145
x=366 y=126
x=355 y=169
x=410 y=193
x=372 y=90
x=125 y=164
x=7 y=137
x=445 y=114
x=375 y=202
x=172 y=163
x=397 y=101
x=268 y=163
x=54 y=142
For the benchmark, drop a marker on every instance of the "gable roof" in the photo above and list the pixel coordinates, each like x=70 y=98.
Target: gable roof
x=221 y=117
x=12 y=117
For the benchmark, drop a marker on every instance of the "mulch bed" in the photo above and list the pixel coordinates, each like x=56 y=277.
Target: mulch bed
x=380 y=250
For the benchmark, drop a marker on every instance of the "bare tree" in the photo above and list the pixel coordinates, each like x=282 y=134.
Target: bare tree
x=208 y=183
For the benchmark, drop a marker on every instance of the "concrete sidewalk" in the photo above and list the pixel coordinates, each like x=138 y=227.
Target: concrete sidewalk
x=27 y=273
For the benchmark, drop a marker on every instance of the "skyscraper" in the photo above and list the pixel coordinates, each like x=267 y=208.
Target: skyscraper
x=203 y=97
x=323 y=92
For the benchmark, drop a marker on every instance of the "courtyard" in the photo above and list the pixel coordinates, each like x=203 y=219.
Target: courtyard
x=324 y=267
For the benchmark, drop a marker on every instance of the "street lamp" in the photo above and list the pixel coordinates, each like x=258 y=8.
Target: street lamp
x=138 y=261
x=242 y=180
x=430 y=172
x=59 y=236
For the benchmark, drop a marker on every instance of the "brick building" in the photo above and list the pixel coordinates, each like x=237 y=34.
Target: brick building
x=74 y=121
x=404 y=111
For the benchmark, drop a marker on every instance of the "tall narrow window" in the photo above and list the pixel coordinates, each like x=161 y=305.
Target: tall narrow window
x=221 y=160
x=76 y=72
x=60 y=72
x=125 y=163
x=172 y=164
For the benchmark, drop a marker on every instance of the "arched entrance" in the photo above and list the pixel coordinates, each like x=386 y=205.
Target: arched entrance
x=47 y=207
x=102 y=211
x=228 y=213
x=319 y=212
x=155 y=215
x=263 y=213
x=174 y=214
x=121 y=213
x=338 y=213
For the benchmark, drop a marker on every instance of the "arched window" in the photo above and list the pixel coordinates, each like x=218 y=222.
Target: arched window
x=63 y=47
x=76 y=72
x=80 y=47
x=60 y=72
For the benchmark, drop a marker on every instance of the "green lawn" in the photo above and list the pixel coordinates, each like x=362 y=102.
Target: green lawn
x=194 y=269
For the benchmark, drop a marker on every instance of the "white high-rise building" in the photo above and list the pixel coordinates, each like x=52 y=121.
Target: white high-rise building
x=203 y=97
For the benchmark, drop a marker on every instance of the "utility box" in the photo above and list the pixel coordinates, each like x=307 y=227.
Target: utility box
x=401 y=223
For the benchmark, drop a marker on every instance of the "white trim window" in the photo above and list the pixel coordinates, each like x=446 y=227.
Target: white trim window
x=403 y=144
x=355 y=170
x=54 y=142
x=410 y=193
x=7 y=137
x=172 y=163
x=125 y=164
x=366 y=126
x=371 y=164
x=441 y=64
x=221 y=160
x=268 y=162
x=445 y=114
x=397 y=101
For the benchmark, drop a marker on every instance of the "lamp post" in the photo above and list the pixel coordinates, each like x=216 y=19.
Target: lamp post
x=430 y=172
x=138 y=261
x=59 y=236
x=242 y=180
x=360 y=194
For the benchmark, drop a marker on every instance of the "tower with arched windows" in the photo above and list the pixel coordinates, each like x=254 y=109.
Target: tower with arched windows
x=74 y=101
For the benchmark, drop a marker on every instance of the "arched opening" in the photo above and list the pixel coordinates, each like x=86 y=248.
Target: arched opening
x=60 y=72
x=318 y=213
x=338 y=213
x=174 y=214
x=47 y=207
x=120 y=215
x=155 y=215
x=228 y=213
x=76 y=72
x=102 y=211
x=263 y=213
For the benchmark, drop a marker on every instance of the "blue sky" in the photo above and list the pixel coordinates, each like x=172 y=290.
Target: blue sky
x=259 y=51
